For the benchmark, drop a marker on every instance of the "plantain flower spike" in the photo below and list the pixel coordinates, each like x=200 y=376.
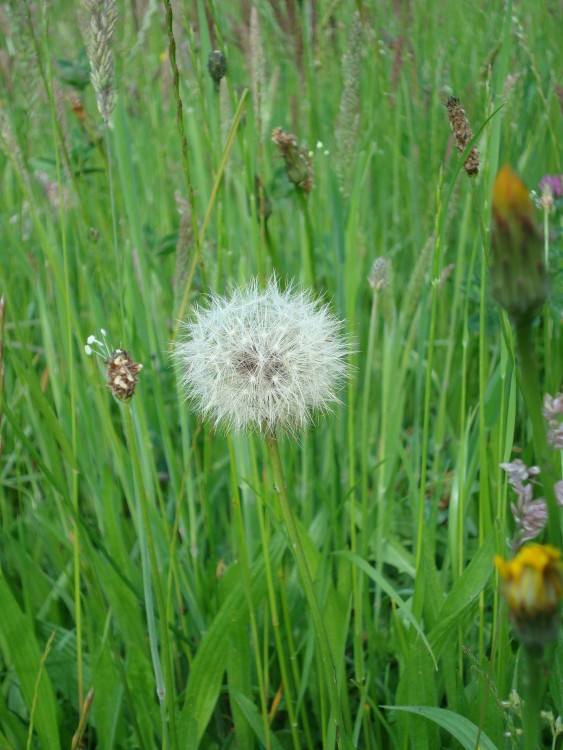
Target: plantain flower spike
x=518 y=275
x=121 y=368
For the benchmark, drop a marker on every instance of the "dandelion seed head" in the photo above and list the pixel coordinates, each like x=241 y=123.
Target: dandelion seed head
x=262 y=358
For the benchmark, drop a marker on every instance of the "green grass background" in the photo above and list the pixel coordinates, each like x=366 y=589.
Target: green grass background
x=138 y=547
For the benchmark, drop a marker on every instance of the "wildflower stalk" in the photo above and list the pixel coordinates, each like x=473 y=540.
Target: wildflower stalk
x=534 y=685
x=294 y=661
x=532 y=585
x=378 y=280
x=243 y=554
x=327 y=659
x=531 y=390
x=118 y=264
x=180 y=115
x=68 y=319
x=421 y=526
x=520 y=285
x=163 y=677
x=311 y=274
x=263 y=359
x=198 y=240
x=285 y=646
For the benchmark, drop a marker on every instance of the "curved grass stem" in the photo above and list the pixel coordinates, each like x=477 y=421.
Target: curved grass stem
x=163 y=674
x=327 y=659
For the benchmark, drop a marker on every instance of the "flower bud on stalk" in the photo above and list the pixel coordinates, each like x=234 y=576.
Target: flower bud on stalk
x=518 y=274
x=532 y=584
x=217 y=65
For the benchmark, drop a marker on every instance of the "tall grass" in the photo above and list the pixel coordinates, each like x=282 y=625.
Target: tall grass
x=139 y=548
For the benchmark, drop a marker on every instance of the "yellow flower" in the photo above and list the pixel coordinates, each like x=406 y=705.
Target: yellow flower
x=532 y=584
x=519 y=281
x=511 y=199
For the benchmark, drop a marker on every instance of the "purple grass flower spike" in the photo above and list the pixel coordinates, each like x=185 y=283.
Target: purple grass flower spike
x=530 y=516
x=531 y=520
x=518 y=473
x=554 y=183
x=553 y=415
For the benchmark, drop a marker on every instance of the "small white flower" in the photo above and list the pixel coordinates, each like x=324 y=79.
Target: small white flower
x=95 y=346
x=262 y=358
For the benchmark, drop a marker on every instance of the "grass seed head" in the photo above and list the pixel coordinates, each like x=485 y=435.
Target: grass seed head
x=298 y=164
x=463 y=134
x=378 y=277
x=103 y=20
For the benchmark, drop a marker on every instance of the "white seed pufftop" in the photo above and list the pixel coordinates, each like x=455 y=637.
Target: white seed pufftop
x=262 y=358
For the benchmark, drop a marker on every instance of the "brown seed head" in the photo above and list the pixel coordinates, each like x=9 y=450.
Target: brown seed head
x=122 y=373
x=463 y=134
x=297 y=160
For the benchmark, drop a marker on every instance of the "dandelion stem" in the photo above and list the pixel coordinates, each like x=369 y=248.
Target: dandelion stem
x=533 y=692
x=245 y=563
x=531 y=390
x=329 y=668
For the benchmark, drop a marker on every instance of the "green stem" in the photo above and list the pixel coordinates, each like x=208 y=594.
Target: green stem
x=299 y=554
x=283 y=646
x=531 y=389
x=165 y=687
x=118 y=263
x=311 y=279
x=418 y=598
x=247 y=577
x=533 y=689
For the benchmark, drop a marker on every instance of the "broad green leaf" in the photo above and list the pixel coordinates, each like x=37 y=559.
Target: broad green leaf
x=392 y=592
x=255 y=720
x=464 y=591
x=108 y=692
x=21 y=649
x=239 y=661
x=208 y=666
x=417 y=686
x=464 y=731
x=556 y=679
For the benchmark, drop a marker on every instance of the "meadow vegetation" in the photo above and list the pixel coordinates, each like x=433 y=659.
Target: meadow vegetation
x=152 y=154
